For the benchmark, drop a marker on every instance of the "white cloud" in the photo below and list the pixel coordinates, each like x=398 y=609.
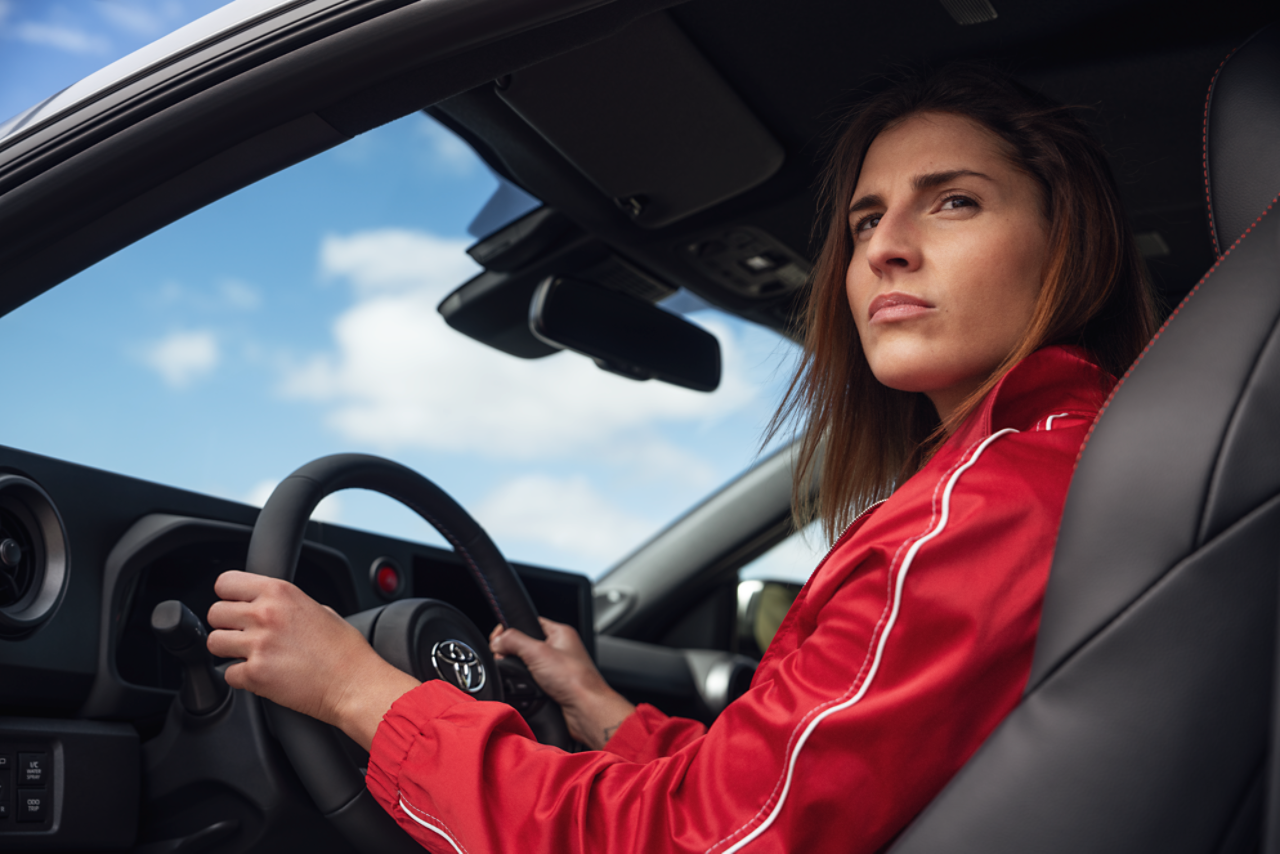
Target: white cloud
x=239 y=295
x=328 y=510
x=447 y=152
x=399 y=377
x=233 y=294
x=393 y=260
x=180 y=358
x=659 y=462
x=565 y=513
x=59 y=37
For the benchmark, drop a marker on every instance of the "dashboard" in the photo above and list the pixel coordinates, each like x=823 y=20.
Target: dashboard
x=85 y=556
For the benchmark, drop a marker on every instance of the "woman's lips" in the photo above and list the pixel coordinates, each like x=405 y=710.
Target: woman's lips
x=895 y=306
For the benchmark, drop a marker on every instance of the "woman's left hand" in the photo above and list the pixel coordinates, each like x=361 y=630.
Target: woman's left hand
x=301 y=654
x=562 y=668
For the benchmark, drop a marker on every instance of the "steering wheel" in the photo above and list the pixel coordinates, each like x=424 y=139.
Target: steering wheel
x=424 y=637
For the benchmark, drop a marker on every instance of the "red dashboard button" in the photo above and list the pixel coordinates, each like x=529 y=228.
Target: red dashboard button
x=388 y=579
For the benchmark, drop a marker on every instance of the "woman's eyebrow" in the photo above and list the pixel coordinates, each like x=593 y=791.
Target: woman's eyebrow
x=919 y=183
x=868 y=201
x=934 y=179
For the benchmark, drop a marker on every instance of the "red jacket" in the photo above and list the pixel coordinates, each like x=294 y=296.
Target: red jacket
x=912 y=640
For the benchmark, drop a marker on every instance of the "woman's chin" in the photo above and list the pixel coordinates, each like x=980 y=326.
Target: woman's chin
x=904 y=378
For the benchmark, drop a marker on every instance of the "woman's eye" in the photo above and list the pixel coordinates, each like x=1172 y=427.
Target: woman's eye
x=866 y=223
x=955 y=202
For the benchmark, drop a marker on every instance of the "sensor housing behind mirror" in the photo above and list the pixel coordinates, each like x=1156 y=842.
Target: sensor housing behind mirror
x=623 y=334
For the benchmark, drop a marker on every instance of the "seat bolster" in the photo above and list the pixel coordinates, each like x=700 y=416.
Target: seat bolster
x=1148 y=738
x=1242 y=137
x=1139 y=497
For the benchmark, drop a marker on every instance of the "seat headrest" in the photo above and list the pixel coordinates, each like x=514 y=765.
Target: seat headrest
x=1242 y=137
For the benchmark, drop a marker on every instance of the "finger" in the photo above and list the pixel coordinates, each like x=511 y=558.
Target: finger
x=227 y=644
x=564 y=638
x=239 y=586
x=493 y=640
x=515 y=642
x=230 y=615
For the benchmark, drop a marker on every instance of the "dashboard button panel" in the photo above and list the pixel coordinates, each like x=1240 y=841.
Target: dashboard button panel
x=52 y=792
x=25 y=778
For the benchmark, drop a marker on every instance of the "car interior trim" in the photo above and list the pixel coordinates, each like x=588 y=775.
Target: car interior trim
x=149 y=538
x=709 y=536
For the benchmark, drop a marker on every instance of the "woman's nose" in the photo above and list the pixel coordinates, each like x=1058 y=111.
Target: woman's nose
x=894 y=245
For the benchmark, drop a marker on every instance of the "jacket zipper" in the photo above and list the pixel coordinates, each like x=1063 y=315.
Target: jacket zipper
x=840 y=539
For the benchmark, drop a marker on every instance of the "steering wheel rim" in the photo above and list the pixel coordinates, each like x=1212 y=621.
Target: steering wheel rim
x=312 y=747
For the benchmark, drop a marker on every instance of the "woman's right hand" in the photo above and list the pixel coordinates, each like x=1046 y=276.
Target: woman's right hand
x=563 y=669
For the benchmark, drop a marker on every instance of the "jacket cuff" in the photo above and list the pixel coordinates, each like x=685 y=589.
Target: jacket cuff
x=399 y=729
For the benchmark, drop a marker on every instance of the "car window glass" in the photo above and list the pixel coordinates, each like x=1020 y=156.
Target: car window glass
x=297 y=318
x=791 y=561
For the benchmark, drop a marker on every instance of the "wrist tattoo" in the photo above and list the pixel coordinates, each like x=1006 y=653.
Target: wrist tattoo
x=610 y=730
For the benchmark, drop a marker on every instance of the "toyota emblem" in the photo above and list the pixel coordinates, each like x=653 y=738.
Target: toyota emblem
x=458 y=663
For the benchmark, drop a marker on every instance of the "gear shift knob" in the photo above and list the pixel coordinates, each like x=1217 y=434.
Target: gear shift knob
x=182 y=634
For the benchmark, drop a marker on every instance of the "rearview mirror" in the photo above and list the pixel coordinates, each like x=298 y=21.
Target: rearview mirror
x=623 y=334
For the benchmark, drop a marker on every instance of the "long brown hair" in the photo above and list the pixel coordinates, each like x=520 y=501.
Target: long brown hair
x=862 y=438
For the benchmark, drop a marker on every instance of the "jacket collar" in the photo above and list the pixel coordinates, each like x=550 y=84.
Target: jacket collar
x=1052 y=380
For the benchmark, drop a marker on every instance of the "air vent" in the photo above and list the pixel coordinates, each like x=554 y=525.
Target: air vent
x=33 y=556
x=18 y=560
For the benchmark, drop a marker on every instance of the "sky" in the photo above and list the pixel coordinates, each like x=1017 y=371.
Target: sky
x=298 y=318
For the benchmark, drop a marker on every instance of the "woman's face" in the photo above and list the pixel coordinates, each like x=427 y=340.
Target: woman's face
x=950 y=244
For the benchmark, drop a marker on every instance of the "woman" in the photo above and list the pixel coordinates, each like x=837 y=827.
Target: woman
x=976 y=295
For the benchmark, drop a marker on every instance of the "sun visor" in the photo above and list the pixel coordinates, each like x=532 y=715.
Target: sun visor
x=649 y=120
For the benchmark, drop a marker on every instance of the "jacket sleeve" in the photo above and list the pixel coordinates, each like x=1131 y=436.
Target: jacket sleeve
x=649 y=734
x=898 y=680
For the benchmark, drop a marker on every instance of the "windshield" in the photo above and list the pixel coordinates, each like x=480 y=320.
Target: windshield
x=298 y=318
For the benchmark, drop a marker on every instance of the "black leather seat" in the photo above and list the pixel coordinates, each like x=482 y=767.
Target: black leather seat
x=1146 y=720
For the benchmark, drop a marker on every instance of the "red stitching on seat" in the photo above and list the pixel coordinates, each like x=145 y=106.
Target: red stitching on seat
x=1165 y=326
x=1204 y=141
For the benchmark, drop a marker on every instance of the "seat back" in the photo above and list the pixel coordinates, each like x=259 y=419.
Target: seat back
x=1145 y=722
